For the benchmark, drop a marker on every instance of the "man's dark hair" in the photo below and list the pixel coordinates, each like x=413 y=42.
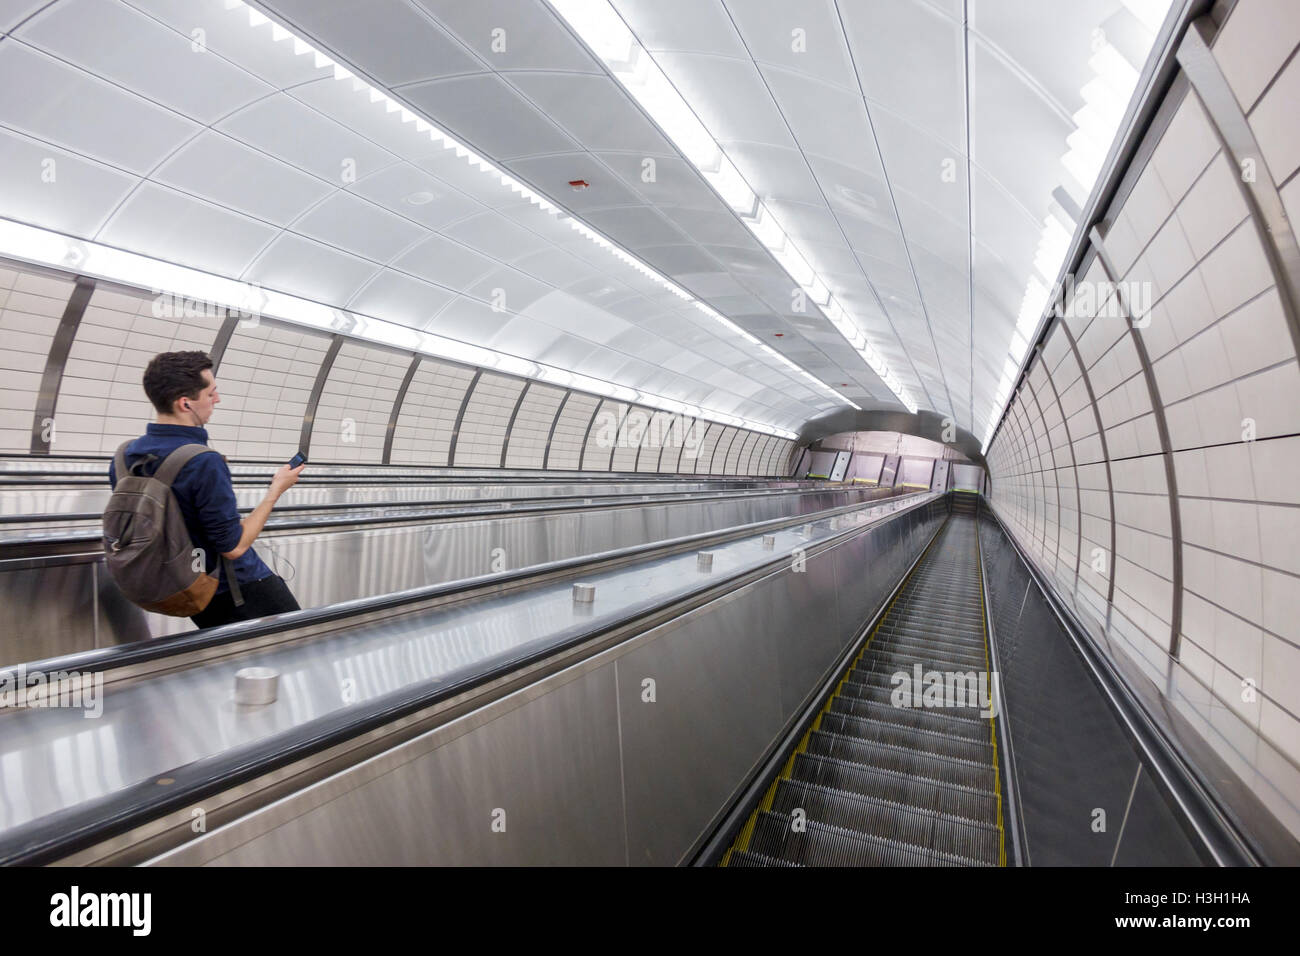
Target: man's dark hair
x=173 y=375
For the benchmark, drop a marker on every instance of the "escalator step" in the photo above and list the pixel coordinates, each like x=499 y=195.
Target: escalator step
x=889 y=733
x=822 y=845
x=744 y=859
x=939 y=721
x=904 y=659
x=886 y=644
x=952 y=801
x=882 y=696
x=923 y=829
x=886 y=757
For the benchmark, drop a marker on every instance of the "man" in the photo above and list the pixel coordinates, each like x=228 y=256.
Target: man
x=181 y=387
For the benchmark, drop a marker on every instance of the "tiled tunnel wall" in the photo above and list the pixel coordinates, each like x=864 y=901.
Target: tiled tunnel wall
x=374 y=405
x=1149 y=465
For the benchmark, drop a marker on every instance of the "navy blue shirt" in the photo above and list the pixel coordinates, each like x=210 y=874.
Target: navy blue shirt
x=205 y=494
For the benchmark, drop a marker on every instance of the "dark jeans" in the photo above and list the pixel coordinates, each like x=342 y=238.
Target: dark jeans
x=261 y=598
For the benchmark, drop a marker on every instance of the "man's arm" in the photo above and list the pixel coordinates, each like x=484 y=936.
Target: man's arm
x=251 y=527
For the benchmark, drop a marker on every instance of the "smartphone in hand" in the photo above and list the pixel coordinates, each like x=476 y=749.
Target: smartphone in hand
x=298 y=459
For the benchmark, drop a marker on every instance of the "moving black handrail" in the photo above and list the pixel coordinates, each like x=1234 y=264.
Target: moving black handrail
x=57 y=835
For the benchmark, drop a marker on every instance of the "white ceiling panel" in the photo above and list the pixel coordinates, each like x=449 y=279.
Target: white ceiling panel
x=514 y=291
x=917 y=163
x=567 y=351
x=682 y=25
x=1051 y=43
x=593 y=110
x=852 y=191
x=161 y=222
x=310 y=269
x=414 y=194
x=711 y=227
x=14 y=12
x=65 y=106
x=513 y=36
x=360 y=227
x=680 y=261
x=352 y=108
x=909 y=59
x=928 y=226
x=503 y=124
x=731 y=95
x=1001 y=223
x=396 y=41
x=447 y=263
x=225 y=33
x=1016 y=137
x=637 y=226
x=555 y=267
x=495 y=237
x=144 y=56
x=83 y=194
x=666 y=182
x=805 y=37
x=406 y=300
x=469 y=321
x=223 y=170
x=303 y=137
x=827 y=120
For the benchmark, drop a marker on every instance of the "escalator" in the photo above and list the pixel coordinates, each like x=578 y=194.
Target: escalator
x=897 y=770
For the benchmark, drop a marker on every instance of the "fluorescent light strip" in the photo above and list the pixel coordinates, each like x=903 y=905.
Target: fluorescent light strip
x=300 y=47
x=43 y=247
x=604 y=31
x=1106 y=96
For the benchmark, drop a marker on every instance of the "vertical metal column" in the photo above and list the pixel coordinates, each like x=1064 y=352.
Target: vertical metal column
x=1166 y=446
x=510 y=425
x=1105 y=455
x=323 y=373
x=460 y=414
x=396 y=410
x=48 y=397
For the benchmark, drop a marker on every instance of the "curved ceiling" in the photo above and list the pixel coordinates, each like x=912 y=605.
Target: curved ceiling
x=909 y=148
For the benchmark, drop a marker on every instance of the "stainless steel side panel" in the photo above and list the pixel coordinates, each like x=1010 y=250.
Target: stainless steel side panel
x=689 y=748
x=501 y=794
x=58 y=606
x=611 y=755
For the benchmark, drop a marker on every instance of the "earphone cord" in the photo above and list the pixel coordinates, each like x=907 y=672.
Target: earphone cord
x=276 y=558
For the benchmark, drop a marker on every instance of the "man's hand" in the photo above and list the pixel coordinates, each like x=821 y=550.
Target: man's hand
x=284 y=479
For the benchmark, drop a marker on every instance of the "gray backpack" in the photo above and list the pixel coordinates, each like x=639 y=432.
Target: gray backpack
x=146 y=545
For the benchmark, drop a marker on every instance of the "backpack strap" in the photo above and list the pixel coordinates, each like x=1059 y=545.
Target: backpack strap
x=166 y=473
x=119 y=461
x=178 y=459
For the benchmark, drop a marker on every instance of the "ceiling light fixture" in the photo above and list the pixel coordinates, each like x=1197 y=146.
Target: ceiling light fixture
x=603 y=30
